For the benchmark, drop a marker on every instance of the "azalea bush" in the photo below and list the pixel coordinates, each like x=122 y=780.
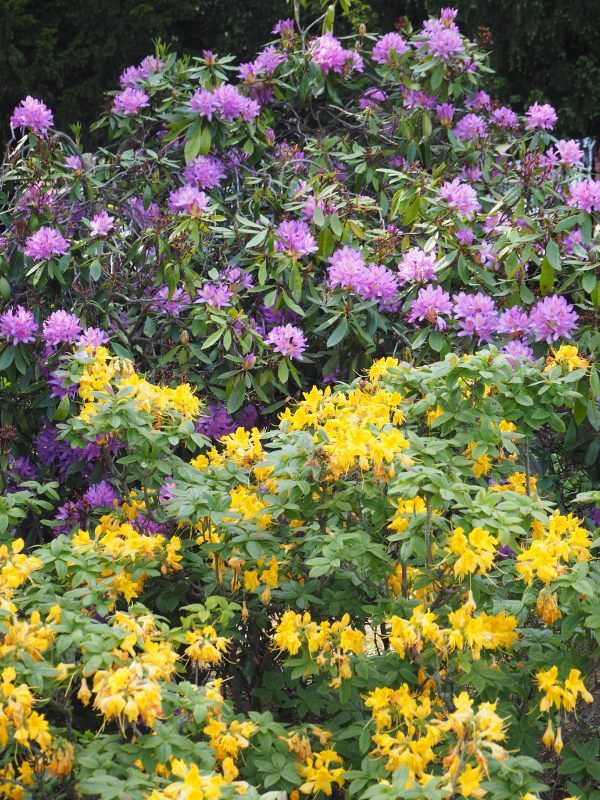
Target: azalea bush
x=373 y=599
x=299 y=433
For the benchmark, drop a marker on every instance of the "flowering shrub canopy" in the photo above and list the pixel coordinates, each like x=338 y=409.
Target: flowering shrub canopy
x=381 y=589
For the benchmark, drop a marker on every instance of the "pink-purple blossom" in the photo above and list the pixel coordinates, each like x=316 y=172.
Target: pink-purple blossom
x=328 y=53
x=505 y=117
x=390 y=47
x=569 y=152
x=552 y=318
x=442 y=38
x=287 y=340
x=445 y=114
x=32 y=114
x=293 y=237
x=45 y=243
x=471 y=127
x=431 y=303
x=540 y=116
x=101 y=224
x=477 y=315
x=417 y=265
x=215 y=294
x=93 y=337
x=204 y=171
x=60 y=327
x=188 y=200
x=516 y=351
x=130 y=102
x=513 y=321
x=585 y=195
x=18 y=326
x=460 y=197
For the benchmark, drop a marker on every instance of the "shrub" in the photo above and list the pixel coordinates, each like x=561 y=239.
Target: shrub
x=374 y=594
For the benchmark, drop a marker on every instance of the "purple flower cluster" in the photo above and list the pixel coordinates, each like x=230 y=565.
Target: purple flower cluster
x=540 y=116
x=205 y=172
x=477 y=315
x=328 y=53
x=226 y=101
x=18 y=326
x=131 y=76
x=390 y=47
x=460 y=197
x=442 y=38
x=585 y=195
x=130 y=102
x=32 y=114
x=287 y=340
x=432 y=304
x=188 y=200
x=101 y=224
x=61 y=327
x=293 y=237
x=417 y=266
x=45 y=243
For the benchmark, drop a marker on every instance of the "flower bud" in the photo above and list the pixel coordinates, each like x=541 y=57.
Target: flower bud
x=362 y=30
x=548 y=737
x=184 y=337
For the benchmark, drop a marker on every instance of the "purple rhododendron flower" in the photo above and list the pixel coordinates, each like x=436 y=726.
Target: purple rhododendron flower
x=328 y=53
x=100 y=494
x=18 y=326
x=513 y=321
x=215 y=294
x=540 y=116
x=505 y=117
x=585 y=195
x=516 y=351
x=389 y=47
x=169 y=303
x=346 y=265
x=188 y=200
x=93 y=337
x=442 y=39
x=204 y=171
x=569 y=152
x=460 y=197
x=60 y=327
x=445 y=114
x=477 y=315
x=293 y=237
x=417 y=266
x=471 y=127
x=101 y=224
x=130 y=102
x=552 y=318
x=32 y=114
x=430 y=304
x=45 y=243
x=287 y=340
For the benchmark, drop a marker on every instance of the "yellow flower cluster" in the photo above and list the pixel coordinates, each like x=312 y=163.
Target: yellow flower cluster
x=568 y=357
x=482 y=464
x=559 y=696
x=409 y=728
x=31 y=637
x=319 y=774
x=475 y=552
x=192 y=785
x=517 y=482
x=553 y=547
x=17 y=717
x=354 y=429
x=403 y=512
x=106 y=379
x=121 y=544
x=205 y=647
x=484 y=631
x=15 y=569
x=547 y=607
x=331 y=641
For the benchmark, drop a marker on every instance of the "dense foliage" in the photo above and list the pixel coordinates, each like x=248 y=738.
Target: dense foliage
x=69 y=53
x=299 y=434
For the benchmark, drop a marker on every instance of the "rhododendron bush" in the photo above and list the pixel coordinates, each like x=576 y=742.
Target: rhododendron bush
x=299 y=434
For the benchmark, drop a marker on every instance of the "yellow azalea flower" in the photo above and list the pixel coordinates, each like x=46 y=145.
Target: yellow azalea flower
x=568 y=356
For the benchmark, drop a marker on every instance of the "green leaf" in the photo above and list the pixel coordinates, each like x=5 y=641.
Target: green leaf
x=546 y=276
x=62 y=410
x=236 y=396
x=95 y=270
x=553 y=254
x=196 y=141
x=7 y=357
x=338 y=333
